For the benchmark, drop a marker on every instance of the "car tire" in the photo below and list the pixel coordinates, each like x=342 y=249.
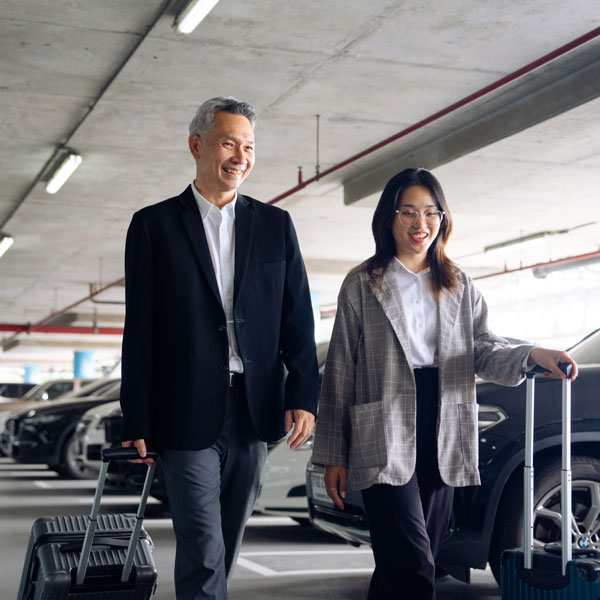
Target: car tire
x=508 y=529
x=69 y=466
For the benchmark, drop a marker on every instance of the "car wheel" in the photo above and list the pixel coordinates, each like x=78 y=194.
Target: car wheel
x=508 y=530
x=69 y=466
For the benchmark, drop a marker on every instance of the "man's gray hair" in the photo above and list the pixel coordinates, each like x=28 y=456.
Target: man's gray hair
x=205 y=115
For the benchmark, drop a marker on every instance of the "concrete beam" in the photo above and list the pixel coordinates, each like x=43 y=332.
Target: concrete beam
x=563 y=84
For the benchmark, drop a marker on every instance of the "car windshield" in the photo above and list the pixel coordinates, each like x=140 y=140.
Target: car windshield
x=587 y=351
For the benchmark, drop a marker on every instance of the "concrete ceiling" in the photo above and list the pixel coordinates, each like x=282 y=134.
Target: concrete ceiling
x=111 y=80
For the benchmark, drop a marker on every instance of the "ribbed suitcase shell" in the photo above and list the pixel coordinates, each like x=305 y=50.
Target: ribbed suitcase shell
x=49 y=570
x=544 y=582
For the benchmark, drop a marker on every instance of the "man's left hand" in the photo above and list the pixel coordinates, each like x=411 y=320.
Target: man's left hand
x=303 y=422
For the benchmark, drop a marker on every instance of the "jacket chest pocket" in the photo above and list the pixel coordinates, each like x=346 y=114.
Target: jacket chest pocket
x=271 y=275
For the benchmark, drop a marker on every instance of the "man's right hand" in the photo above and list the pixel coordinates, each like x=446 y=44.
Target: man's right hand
x=335 y=484
x=141 y=448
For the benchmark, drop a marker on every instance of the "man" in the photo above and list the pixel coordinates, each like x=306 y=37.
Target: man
x=217 y=303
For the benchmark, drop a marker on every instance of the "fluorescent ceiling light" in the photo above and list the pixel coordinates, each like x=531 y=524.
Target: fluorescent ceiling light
x=64 y=170
x=192 y=15
x=6 y=241
x=542 y=272
x=518 y=243
x=530 y=240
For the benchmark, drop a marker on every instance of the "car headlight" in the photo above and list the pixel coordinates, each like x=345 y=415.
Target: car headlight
x=489 y=416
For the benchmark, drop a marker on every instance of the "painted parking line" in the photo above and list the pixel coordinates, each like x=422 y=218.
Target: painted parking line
x=45 y=474
x=267 y=572
x=255 y=567
x=261 y=521
x=42 y=484
x=107 y=500
x=66 y=484
x=311 y=552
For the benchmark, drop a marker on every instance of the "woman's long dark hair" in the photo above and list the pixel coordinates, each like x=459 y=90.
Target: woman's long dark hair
x=442 y=268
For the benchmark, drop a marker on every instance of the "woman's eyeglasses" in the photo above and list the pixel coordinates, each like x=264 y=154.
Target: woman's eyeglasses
x=409 y=217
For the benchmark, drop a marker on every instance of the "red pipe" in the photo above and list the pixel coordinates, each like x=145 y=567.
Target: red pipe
x=536 y=64
x=559 y=261
x=58 y=313
x=59 y=329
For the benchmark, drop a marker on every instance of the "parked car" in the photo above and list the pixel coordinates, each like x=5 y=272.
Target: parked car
x=10 y=391
x=488 y=519
x=90 y=434
x=283 y=485
x=100 y=427
x=96 y=388
x=44 y=434
x=50 y=390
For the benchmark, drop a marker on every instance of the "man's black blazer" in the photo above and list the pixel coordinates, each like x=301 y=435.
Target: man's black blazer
x=175 y=345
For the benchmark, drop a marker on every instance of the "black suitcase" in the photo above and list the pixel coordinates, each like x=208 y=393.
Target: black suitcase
x=95 y=557
x=550 y=573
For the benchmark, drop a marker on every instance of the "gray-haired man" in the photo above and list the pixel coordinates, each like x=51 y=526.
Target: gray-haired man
x=217 y=304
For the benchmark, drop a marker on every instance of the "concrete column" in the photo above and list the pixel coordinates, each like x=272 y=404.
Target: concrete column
x=33 y=374
x=84 y=364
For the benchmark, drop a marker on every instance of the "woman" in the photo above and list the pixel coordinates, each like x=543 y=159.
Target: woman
x=398 y=413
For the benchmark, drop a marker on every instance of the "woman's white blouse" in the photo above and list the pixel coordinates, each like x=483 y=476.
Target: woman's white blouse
x=421 y=313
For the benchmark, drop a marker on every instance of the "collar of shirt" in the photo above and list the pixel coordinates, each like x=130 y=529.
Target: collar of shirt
x=407 y=270
x=206 y=208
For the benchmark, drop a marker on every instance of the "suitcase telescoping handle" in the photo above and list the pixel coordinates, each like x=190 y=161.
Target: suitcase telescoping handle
x=565 y=500
x=108 y=455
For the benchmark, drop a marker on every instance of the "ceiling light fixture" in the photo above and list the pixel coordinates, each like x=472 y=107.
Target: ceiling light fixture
x=532 y=239
x=192 y=15
x=65 y=168
x=520 y=242
x=6 y=241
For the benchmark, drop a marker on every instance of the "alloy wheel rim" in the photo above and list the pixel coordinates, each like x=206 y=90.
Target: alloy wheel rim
x=585 y=521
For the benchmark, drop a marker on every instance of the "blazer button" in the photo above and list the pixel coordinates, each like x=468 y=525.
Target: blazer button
x=223 y=368
x=222 y=328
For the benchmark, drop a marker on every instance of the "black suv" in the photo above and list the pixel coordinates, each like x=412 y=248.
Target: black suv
x=487 y=519
x=45 y=434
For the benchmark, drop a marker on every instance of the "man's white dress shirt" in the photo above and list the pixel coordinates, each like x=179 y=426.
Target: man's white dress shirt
x=219 y=226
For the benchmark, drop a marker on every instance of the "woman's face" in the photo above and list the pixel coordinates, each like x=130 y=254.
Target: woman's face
x=413 y=239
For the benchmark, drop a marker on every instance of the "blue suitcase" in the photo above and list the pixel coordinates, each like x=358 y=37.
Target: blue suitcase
x=95 y=557
x=552 y=573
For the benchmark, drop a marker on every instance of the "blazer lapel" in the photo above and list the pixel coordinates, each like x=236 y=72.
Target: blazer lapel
x=390 y=299
x=192 y=222
x=244 y=225
x=448 y=312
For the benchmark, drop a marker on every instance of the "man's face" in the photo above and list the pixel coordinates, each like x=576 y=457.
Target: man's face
x=224 y=155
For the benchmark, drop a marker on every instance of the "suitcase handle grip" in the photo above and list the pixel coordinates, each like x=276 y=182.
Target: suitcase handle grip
x=121 y=453
x=566 y=368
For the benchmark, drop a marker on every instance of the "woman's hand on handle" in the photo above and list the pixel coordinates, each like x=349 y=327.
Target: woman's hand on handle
x=335 y=484
x=549 y=359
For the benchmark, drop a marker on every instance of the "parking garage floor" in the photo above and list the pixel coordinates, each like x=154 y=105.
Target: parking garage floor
x=279 y=560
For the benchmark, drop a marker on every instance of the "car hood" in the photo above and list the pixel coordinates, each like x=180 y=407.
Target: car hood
x=79 y=404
